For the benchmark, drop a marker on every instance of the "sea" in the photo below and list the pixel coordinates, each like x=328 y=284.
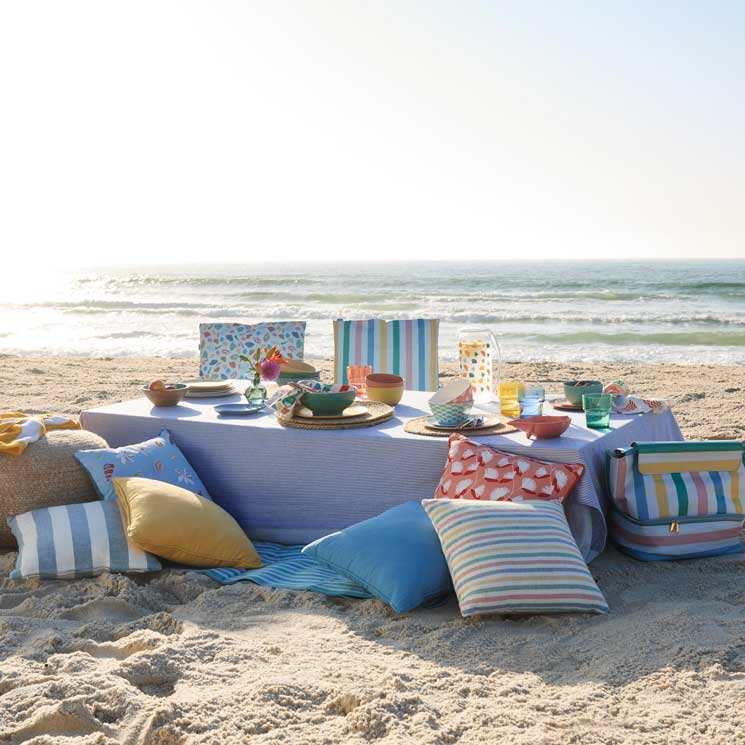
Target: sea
x=613 y=311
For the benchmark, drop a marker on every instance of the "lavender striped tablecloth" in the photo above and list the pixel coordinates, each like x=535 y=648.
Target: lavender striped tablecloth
x=293 y=486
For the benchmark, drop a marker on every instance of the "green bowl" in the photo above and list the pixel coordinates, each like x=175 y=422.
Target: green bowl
x=329 y=404
x=575 y=389
x=291 y=377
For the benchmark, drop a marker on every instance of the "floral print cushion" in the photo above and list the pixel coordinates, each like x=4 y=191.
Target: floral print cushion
x=476 y=471
x=220 y=345
x=158 y=459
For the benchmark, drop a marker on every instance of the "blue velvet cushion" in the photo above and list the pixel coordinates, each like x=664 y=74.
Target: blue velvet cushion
x=158 y=459
x=396 y=556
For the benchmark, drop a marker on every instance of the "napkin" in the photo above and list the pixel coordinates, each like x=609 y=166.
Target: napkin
x=625 y=403
x=288 y=398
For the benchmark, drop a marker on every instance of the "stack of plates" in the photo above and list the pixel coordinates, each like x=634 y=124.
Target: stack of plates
x=210 y=388
x=294 y=371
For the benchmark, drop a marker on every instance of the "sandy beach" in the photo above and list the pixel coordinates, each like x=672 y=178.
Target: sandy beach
x=175 y=658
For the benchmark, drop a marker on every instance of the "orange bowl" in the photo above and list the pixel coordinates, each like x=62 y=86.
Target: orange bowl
x=383 y=380
x=542 y=427
x=384 y=387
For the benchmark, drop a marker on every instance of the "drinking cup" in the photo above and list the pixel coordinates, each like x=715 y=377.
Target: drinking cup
x=357 y=376
x=597 y=408
x=531 y=406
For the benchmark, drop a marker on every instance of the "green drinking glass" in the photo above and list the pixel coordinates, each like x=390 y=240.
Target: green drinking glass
x=597 y=408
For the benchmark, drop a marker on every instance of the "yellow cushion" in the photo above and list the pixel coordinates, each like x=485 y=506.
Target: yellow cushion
x=179 y=525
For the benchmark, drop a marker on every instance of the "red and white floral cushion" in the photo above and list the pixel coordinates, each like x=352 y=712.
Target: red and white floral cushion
x=476 y=471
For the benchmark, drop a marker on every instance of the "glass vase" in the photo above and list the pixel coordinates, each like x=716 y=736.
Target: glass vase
x=256 y=392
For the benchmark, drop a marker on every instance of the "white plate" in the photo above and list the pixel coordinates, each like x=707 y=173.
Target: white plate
x=208 y=385
x=212 y=394
x=350 y=411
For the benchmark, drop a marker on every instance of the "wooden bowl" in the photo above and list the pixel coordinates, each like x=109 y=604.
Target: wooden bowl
x=542 y=427
x=167 y=397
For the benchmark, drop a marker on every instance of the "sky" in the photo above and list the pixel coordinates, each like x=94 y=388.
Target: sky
x=175 y=132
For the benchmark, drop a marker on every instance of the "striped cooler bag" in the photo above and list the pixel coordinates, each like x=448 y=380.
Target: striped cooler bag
x=677 y=500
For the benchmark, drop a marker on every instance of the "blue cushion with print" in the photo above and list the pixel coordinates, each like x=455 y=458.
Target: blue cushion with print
x=157 y=459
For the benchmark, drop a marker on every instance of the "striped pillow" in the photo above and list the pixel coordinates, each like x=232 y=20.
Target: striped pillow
x=406 y=348
x=75 y=540
x=513 y=557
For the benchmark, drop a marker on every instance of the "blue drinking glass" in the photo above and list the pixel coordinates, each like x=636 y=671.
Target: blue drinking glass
x=531 y=406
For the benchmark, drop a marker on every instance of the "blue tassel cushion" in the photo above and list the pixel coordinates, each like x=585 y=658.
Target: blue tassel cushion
x=158 y=459
x=395 y=556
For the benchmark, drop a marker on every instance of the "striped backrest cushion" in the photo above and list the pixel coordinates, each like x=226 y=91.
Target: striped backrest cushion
x=220 y=345
x=513 y=557
x=75 y=540
x=653 y=481
x=406 y=348
x=359 y=343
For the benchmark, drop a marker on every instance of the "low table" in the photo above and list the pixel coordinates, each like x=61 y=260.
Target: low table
x=295 y=485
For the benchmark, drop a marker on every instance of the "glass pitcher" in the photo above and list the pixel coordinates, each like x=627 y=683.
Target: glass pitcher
x=480 y=361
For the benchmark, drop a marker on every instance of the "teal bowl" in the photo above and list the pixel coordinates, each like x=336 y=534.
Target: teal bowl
x=450 y=415
x=575 y=389
x=329 y=404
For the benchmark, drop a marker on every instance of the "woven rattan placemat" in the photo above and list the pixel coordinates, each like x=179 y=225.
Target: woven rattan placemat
x=417 y=427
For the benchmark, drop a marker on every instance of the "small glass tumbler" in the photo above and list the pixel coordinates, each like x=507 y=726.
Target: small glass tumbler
x=597 y=408
x=357 y=376
x=531 y=406
x=534 y=391
x=508 y=402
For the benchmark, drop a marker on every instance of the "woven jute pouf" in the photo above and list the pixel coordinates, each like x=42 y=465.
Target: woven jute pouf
x=45 y=474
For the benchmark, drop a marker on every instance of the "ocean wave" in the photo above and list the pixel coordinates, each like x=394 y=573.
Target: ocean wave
x=689 y=338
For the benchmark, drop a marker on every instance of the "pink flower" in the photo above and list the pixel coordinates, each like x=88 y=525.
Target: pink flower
x=269 y=369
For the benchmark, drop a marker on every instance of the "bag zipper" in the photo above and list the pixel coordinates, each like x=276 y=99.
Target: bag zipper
x=674 y=523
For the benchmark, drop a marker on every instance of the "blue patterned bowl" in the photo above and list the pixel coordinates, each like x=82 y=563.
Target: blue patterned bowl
x=450 y=415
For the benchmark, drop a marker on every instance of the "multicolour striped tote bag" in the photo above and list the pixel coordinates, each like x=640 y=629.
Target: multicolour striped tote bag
x=405 y=348
x=677 y=500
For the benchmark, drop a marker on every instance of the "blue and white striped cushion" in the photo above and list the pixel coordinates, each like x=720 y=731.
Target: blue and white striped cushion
x=287 y=568
x=75 y=540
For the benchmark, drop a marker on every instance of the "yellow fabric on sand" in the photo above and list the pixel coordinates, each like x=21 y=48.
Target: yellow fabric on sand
x=18 y=430
x=177 y=524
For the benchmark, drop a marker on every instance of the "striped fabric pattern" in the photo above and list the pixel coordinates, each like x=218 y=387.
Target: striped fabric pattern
x=655 y=481
x=408 y=348
x=513 y=557
x=75 y=540
x=288 y=569
x=695 y=537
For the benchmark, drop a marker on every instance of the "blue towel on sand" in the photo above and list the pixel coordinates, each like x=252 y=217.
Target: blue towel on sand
x=288 y=569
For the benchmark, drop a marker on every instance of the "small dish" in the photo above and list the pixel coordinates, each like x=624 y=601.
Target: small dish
x=542 y=427
x=238 y=409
